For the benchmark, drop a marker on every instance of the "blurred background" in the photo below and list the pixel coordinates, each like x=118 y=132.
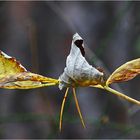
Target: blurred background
x=39 y=35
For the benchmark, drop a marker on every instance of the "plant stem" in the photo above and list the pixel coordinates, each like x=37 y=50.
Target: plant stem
x=121 y=95
x=62 y=108
x=78 y=108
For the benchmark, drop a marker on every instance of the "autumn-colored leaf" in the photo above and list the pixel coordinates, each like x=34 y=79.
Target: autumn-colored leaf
x=14 y=76
x=26 y=80
x=9 y=65
x=125 y=72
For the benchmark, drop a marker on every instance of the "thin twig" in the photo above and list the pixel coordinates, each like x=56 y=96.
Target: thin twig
x=62 y=108
x=78 y=108
x=122 y=95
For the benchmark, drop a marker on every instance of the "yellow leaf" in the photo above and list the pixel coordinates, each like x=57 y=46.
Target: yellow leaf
x=125 y=72
x=9 y=66
x=14 y=76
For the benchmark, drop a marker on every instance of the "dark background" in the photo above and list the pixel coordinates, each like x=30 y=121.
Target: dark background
x=39 y=34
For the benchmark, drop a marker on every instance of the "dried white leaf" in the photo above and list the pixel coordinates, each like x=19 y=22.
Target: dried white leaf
x=78 y=72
